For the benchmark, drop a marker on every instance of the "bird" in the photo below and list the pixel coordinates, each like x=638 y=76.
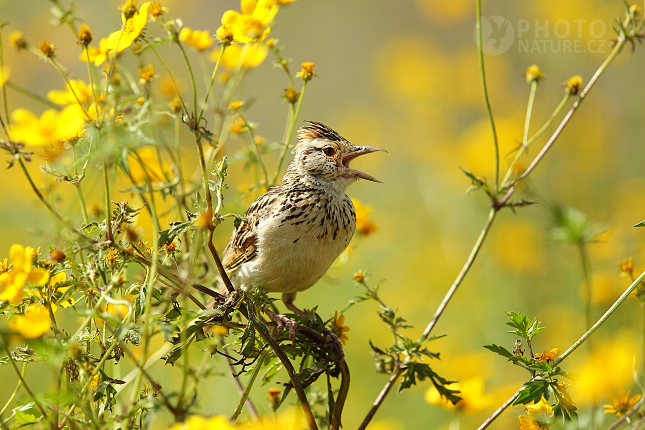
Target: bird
x=292 y=234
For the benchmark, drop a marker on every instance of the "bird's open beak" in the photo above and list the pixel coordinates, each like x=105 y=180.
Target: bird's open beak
x=357 y=152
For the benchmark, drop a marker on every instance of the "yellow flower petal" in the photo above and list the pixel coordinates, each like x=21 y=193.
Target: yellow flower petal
x=19 y=258
x=34 y=323
x=38 y=276
x=59 y=277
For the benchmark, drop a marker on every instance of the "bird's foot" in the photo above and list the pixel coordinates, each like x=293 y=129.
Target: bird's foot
x=331 y=338
x=281 y=322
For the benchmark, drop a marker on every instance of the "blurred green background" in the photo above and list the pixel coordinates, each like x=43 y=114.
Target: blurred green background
x=404 y=76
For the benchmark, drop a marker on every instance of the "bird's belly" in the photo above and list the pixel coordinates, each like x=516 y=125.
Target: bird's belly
x=292 y=258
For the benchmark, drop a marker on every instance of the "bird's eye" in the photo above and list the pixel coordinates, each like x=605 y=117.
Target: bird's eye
x=329 y=151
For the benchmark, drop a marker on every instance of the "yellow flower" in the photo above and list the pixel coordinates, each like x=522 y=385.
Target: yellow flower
x=539 y=416
x=274 y=397
x=51 y=127
x=548 y=356
x=46 y=49
x=623 y=404
x=235 y=105
x=95 y=381
x=131 y=31
x=307 y=72
x=149 y=158
x=58 y=279
x=280 y=2
x=96 y=55
x=574 y=85
x=254 y=56
x=146 y=73
x=359 y=276
x=4 y=266
x=85 y=35
x=75 y=89
x=363 y=224
x=291 y=95
x=237 y=126
x=533 y=73
x=157 y=10
x=17 y=40
x=200 y=40
x=473 y=396
x=338 y=327
x=34 y=323
x=627 y=267
x=224 y=34
x=198 y=422
x=253 y=23
x=12 y=282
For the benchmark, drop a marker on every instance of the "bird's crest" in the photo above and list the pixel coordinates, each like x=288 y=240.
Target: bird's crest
x=316 y=130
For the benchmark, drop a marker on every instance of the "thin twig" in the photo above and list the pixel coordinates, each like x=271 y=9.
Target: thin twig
x=381 y=397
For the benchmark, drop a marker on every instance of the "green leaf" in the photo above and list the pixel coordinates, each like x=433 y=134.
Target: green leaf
x=500 y=350
x=176 y=228
x=248 y=339
x=533 y=391
x=175 y=354
x=640 y=224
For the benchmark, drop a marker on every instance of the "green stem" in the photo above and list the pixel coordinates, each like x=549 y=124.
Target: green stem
x=108 y=203
x=573 y=347
x=482 y=75
x=69 y=85
x=31 y=95
x=292 y=126
x=584 y=257
x=15 y=391
x=192 y=80
x=247 y=390
x=212 y=81
x=533 y=138
x=464 y=271
x=49 y=206
x=24 y=383
x=152 y=275
x=297 y=386
x=614 y=53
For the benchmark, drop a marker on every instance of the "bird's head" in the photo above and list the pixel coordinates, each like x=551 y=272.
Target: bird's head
x=324 y=156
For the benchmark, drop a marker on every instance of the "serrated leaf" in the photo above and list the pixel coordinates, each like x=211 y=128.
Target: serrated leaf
x=176 y=228
x=533 y=391
x=175 y=354
x=500 y=350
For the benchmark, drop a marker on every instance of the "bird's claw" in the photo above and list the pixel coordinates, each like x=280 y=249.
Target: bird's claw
x=330 y=337
x=281 y=322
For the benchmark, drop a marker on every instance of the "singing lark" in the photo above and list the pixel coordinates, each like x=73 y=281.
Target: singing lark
x=295 y=231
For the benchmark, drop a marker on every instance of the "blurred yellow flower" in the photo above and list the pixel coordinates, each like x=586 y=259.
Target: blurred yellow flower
x=574 y=85
x=539 y=416
x=200 y=40
x=622 y=404
x=84 y=35
x=151 y=162
x=338 y=327
x=34 y=323
x=96 y=55
x=198 y=422
x=46 y=49
x=533 y=73
x=146 y=73
x=12 y=282
x=131 y=31
x=76 y=90
x=57 y=279
x=253 y=57
x=4 y=266
x=307 y=71
x=608 y=369
x=51 y=127
x=627 y=267
x=363 y=225
x=253 y=23
x=17 y=40
x=473 y=396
